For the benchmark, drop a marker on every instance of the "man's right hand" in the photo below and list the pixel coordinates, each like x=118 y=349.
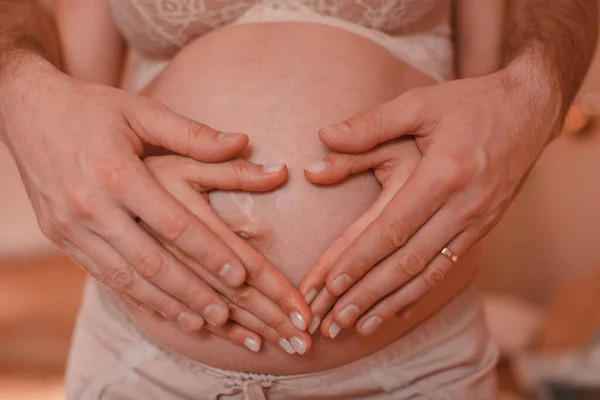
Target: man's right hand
x=79 y=149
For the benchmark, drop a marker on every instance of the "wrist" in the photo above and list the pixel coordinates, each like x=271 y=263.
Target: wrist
x=531 y=82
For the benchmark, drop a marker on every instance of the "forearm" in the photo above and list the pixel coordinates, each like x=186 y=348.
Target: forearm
x=27 y=38
x=553 y=42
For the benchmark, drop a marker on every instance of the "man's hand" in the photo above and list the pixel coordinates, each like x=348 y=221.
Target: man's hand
x=78 y=147
x=479 y=138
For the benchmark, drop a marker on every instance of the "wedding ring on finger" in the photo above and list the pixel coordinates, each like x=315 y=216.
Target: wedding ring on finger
x=450 y=255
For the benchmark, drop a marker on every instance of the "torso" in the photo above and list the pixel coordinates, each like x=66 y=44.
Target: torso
x=280 y=83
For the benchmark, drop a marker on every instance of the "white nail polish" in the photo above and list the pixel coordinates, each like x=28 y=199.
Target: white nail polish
x=252 y=344
x=310 y=296
x=371 y=325
x=269 y=169
x=224 y=270
x=298 y=345
x=287 y=346
x=298 y=321
x=341 y=282
x=348 y=313
x=334 y=329
x=317 y=167
x=314 y=324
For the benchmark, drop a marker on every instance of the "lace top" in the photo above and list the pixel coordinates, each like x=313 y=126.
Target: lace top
x=416 y=31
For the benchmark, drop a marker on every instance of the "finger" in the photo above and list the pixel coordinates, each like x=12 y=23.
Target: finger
x=404 y=115
x=236 y=174
x=402 y=298
x=400 y=267
x=288 y=334
x=113 y=271
x=337 y=166
x=422 y=195
x=270 y=285
x=160 y=126
x=155 y=264
x=239 y=335
x=170 y=220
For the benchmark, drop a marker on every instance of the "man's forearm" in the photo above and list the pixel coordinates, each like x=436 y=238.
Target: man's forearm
x=558 y=36
x=26 y=29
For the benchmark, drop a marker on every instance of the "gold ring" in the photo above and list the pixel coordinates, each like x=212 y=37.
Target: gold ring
x=450 y=255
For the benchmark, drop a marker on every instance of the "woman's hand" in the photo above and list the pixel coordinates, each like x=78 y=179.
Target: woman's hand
x=78 y=147
x=479 y=139
x=392 y=164
x=189 y=182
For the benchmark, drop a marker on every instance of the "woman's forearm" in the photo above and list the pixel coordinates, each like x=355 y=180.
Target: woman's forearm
x=552 y=44
x=479 y=32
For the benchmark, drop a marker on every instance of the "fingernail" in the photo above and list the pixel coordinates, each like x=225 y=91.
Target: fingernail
x=252 y=344
x=229 y=275
x=334 y=329
x=349 y=314
x=341 y=283
x=298 y=320
x=270 y=169
x=317 y=167
x=287 y=346
x=314 y=324
x=371 y=325
x=298 y=344
x=214 y=314
x=310 y=296
x=228 y=137
x=190 y=321
x=338 y=131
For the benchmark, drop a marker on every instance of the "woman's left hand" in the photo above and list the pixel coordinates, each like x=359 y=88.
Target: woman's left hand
x=479 y=139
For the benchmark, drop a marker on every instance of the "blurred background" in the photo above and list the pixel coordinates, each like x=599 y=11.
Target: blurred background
x=540 y=278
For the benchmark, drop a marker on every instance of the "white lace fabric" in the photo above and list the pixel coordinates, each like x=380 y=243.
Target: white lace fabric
x=157 y=29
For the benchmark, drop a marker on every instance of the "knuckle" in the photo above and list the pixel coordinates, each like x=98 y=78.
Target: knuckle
x=195 y=298
x=122 y=277
x=266 y=331
x=410 y=265
x=49 y=232
x=278 y=322
x=167 y=307
x=150 y=265
x=108 y=172
x=434 y=276
x=61 y=225
x=240 y=168
x=196 y=130
x=394 y=233
x=79 y=201
x=97 y=275
x=241 y=297
x=372 y=296
x=173 y=225
x=371 y=119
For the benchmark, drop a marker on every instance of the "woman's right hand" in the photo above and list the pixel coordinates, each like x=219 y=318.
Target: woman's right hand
x=189 y=181
x=79 y=149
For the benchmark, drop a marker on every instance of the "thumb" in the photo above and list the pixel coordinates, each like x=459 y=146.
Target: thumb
x=159 y=126
x=372 y=126
x=338 y=166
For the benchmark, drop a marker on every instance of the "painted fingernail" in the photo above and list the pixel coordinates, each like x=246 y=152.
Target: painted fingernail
x=287 y=346
x=349 y=314
x=298 y=320
x=228 y=137
x=314 y=324
x=334 y=329
x=214 y=314
x=341 y=283
x=338 y=131
x=317 y=167
x=252 y=344
x=229 y=275
x=371 y=325
x=310 y=296
x=270 y=169
x=190 y=321
x=298 y=344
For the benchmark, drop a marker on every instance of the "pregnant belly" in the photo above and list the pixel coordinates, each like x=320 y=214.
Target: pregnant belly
x=280 y=83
